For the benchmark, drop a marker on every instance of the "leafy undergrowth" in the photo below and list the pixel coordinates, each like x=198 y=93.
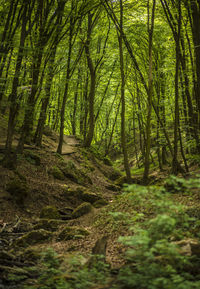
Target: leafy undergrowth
x=160 y=238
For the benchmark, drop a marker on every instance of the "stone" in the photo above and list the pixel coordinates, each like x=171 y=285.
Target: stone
x=56 y=173
x=69 y=233
x=49 y=225
x=49 y=212
x=81 y=210
x=76 y=175
x=100 y=203
x=189 y=247
x=66 y=213
x=90 y=197
x=34 y=237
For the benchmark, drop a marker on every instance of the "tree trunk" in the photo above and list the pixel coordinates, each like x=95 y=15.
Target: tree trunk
x=123 y=105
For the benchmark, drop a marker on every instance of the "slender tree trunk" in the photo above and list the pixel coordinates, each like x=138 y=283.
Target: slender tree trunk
x=91 y=121
x=123 y=105
x=150 y=93
x=175 y=167
x=75 y=103
x=45 y=101
x=14 y=106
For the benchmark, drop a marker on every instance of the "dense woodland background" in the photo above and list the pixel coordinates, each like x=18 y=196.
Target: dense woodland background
x=117 y=74
x=99 y=144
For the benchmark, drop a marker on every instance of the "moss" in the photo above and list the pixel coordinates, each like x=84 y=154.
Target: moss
x=32 y=158
x=120 y=181
x=56 y=173
x=18 y=189
x=76 y=175
x=49 y=212
x=34 y=237
x=32 y=255
x=50 y=225
x=69 y=233
x=81 y=210
x=100 y=203
x=90 y=197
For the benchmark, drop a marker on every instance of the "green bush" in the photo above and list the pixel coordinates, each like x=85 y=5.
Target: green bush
x=153 y=259
x=75 y=276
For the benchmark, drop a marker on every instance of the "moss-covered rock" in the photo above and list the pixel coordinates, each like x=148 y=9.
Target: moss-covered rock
x=49 y=212
x=56 y=173
x=69 y=233
x=76 y=175
x=100 y=203
x=34 y=237
x=71 y=193
x=81 y=210
x=90 y=197
x=18 y=190
x=49 y=225
x=66 y=213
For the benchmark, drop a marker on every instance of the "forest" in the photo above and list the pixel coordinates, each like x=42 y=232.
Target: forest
x=99 y=144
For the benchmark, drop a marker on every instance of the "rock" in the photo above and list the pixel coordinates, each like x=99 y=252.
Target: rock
x=76 y=175
x=34 y=237
x=66 y=213
x=100 y=203
x=49 y=225
x=19 y=190
x=189 y=247
x=69 y=233
x=56 y=173
x=49 y=212
x=89 y=197
x=81 y=210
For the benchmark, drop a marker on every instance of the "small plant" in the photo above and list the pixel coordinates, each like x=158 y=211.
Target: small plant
x=75 y=276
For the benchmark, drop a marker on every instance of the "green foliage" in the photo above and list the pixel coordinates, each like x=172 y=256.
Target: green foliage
x=175 y=184
x=154 y=260
x=77 y=277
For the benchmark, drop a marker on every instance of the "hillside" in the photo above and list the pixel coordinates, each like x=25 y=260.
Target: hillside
x=68 y=189
x=71 y=204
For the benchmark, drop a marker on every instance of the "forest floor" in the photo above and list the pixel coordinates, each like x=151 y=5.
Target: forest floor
x=49 y=193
